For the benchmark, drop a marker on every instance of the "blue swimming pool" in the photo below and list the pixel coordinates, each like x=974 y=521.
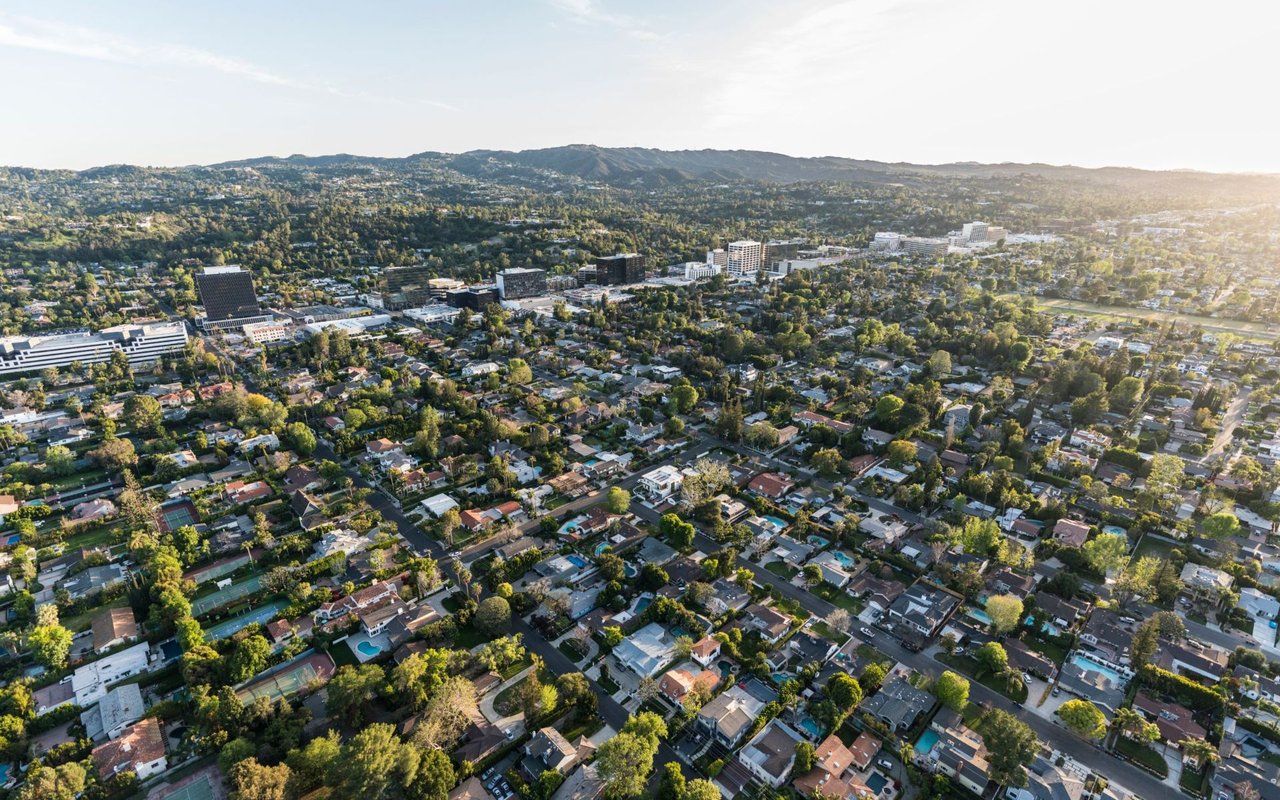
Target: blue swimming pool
x=576 y=560
x=1048 y=628
x=818 y=541
x=844 y=559
x=780 y=523
x=876 y=782
x=643 y=603
x=811 y=727
x=926 y=741
x=368 y=649
x=571 y=526
x=1084 y=662
x=979 y=615
x=600 y=548
x=1116 y=529
x=781 y=677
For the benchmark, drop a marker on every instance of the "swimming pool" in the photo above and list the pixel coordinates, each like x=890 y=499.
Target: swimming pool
x=1115 y=529
x=781 y=677
x=576 y=560
x=1084 y=662
x=368 y=649
x=1048 y=628
x=778 y=522
x=844 y=559
x=926 y=741
x=642 y=603
x=876 y=782
x=818 y=541
x=600 y=548
x=810 y=726
x=979 y=615
x=571 y=526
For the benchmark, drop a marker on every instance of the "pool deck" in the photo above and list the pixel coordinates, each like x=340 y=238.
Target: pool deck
x=381 y=641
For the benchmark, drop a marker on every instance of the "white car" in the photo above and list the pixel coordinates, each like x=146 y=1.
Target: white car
x=867 y=632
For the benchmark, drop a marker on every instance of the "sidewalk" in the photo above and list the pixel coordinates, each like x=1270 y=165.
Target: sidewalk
x=486 y=704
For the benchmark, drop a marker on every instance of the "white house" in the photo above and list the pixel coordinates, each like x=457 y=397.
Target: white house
x=661 y=483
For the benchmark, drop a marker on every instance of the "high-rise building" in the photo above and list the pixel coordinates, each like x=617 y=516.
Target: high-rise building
x=475 y=298
x=783 y=249
x=522 y=282
x=718 y=257
x=887 y=242
x=407 y=287
x=141 y=344
x=745 y=257
x=228 y=298
x=974 y=232
x=995 y=233
x=620 y=269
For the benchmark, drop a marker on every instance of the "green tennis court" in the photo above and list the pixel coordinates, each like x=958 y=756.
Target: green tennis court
x=200 y=788
x=225 y=597
x=289 y=678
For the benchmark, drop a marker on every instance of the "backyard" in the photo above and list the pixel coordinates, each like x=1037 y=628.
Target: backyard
x=1141 y=755
x=1010 y=684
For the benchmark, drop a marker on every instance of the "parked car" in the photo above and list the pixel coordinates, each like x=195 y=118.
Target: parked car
x=885 y=763
x=867 y=632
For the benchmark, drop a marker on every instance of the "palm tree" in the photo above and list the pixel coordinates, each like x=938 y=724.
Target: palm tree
x=1199 y=752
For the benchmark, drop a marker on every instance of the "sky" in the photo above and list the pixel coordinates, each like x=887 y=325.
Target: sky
x=1160 y=84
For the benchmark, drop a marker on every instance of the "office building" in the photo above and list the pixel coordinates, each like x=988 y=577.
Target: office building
x=745 y=258
x=262 y=332
x=887 y=242
x=919 y=245
x=693 y=270
x=228 y=298
x=141 y=344
x=620 y=269
x=974 y=232
x=718 y=257
x=783 y=249
x=519 y=282
x=475 y=298
x=407 y=287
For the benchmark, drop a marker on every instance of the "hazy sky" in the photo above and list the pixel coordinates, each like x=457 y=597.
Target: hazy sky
x=1150 y=83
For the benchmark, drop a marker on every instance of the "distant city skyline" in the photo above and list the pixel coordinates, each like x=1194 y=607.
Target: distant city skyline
x=1156 y=85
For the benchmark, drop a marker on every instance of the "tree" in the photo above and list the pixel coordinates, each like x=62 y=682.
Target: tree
x=1083 y=718
x=1164 y=479
x=701 y=789
x=1005 y=611
x=624 y=763
x=1135 y=726
x=447 y=715
x=235 y=751
x=144 y=414
x=952 y=690
x=435 y=776
x=59 y=460
x=804 y=758
x=420 y=676
x=249 y=658
x=992 y=655
x=887 y=408
x=812 y=575
x=115 y=454
x=939 y=363
x=762 y=435
x=50 y=645
x=1222 y=525
x=1198 y=752
x=351 y=688
x=901 y=451
x=493 y=615
x=845 y=692
x=685 y=398
x=671 y=785
x=1106 y=552
x=575 y=690
x=301 y=437
x=1011 y=745
x=618 y=500
x=612 y=567
x=253 y=781
x=827 y=461
x=311 y=765
x=449 y=522
x=1126 y=392
x=372 y=762
x=518 y=372
x=64 y=782
x=872 y=676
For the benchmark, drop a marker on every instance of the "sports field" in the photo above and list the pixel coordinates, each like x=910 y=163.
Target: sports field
x=288 y=678
x=1247 y=330
x=225 y=597
x=203 y=785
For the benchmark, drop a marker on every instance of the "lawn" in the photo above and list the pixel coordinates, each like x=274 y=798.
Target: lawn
x=1142 y=755
x=92 y=536
x=1242 y=328
x=508 y=700
x=468 y=637
x=1015 y=691
x=608 y=684
x=81 y=622
x=1194 y=783
x=572 y=650
x=1047 y=647
x=782 y=569
x=837 y=597
x=827 y=632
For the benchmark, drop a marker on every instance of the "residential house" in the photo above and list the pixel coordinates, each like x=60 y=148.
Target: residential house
x=705 y=651
x=772 y=625
x=771 y=753
x=139 y=749
x=677 y=684
x=729 y=715
x=112 y=627
x=646 y=651
x=119 y=708
x=898 y=704
x=771 y=485
x=923 y=608
x=1071 y=531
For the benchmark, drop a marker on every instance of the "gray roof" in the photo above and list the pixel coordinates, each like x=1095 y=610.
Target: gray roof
x=119 y=707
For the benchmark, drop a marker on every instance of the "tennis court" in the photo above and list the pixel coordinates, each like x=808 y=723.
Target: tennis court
x=261 y=616
x=225 y=597
x=218 y=568
x=201 y=786
x=288 y=678
x=178 y=513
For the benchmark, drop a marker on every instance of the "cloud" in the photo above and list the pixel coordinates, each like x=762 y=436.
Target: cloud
x=588 y=12
x=71 y=40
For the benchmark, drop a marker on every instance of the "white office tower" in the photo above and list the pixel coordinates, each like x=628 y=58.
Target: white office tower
x=141 y=344
x=745 y=257
x=693 y=270
x=887 y=242
x=974 y=232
